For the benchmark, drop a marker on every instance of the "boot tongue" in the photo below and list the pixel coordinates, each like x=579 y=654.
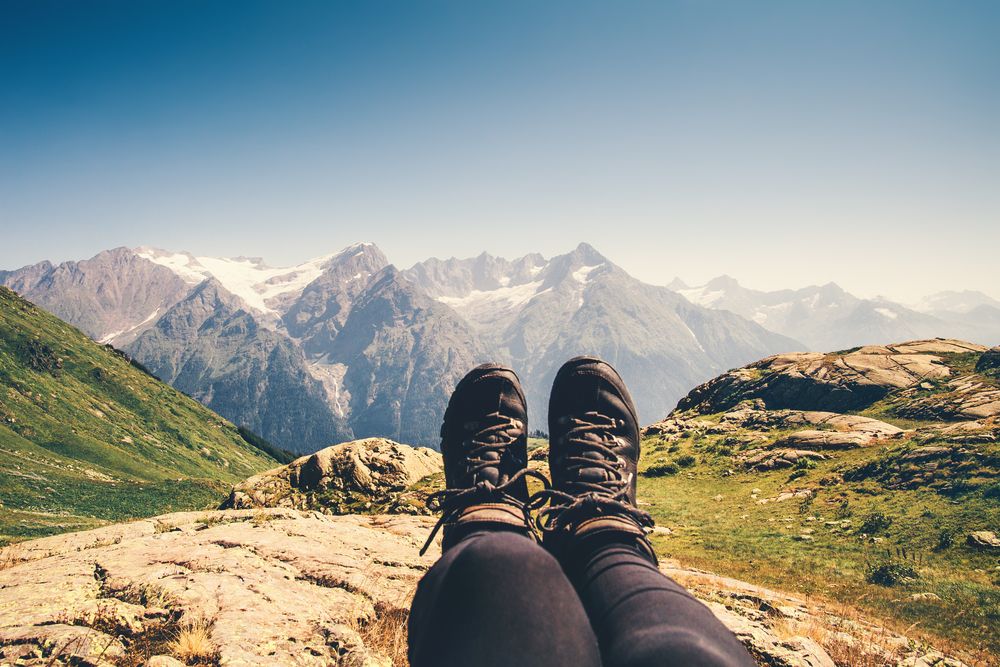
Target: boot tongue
x=593 y=473
x=491 y=473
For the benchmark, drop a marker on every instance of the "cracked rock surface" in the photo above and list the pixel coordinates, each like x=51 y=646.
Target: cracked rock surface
x=290 y=587
x=277 y=587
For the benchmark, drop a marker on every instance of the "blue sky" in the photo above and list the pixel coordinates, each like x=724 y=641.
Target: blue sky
x=783 y=143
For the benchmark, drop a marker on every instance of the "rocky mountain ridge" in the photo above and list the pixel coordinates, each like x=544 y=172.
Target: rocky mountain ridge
x=536 y=314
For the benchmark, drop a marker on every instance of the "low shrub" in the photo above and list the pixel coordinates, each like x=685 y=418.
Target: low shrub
x=875 y=523
x=661 y=470
x=686 y=461
x=890 y=573
x=946 y=538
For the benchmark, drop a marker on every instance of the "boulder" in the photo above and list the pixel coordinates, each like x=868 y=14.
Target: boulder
x=983 y=539
x=341 y=479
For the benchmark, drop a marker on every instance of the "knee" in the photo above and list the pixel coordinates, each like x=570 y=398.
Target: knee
x=503 y=553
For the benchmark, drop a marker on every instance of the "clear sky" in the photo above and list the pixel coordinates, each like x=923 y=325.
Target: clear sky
x=784 y=143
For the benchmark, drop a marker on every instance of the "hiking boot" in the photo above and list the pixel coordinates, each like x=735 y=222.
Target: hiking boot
x=484 y=443
x=593 y=456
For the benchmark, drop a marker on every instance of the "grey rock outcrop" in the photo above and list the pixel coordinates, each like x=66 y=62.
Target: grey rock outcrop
x=966 y=397
x=837 y=382
x=824 y=439
x=778 y=458
x=273 y=586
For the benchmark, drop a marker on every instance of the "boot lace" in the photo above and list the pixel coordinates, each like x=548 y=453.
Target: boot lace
x=492 y=435
x=591 y=440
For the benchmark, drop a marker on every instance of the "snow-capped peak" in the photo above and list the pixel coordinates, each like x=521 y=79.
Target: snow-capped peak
x=250 y=279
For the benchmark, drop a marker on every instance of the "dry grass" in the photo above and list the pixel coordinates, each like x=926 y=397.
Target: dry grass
x=385 y=634
x=193 y=643
x=862 y=646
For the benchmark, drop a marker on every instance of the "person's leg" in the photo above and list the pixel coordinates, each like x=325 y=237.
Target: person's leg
x=642 y=617
x=495 y=597
x=498 y=599
x=596 y=530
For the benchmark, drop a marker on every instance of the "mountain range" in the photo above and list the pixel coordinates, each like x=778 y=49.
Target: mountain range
x=348 y=346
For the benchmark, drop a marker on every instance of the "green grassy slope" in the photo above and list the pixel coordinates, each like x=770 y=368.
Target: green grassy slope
x=87 y=438
x=869 y=508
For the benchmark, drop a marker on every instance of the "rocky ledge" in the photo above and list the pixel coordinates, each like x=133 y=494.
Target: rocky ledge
x=848 y=381
x=292 y=587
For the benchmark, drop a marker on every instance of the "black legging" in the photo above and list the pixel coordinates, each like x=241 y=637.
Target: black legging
x=498 y=598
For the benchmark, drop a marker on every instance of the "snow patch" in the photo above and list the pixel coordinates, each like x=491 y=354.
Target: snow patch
x=702 y=297
x=887 y=313
x=331 y=376
x=695 y=338
x=582 y=275
x=502 y=296
x=115 y=334
x=182 y=264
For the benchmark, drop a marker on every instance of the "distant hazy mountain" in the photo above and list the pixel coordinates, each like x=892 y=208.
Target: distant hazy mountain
x=537 y=313
x=971 y=314
x=826 y=317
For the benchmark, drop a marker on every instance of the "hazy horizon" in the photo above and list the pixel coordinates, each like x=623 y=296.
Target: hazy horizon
x=782 y=143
